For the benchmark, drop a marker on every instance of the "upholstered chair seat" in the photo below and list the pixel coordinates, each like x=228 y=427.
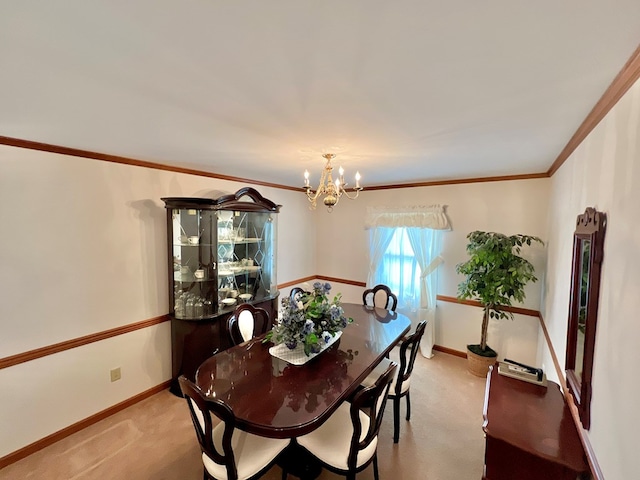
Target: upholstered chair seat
x=251 y=452
x=380 y=369
x=227 y=453
x=347 y=442
x=330 y=444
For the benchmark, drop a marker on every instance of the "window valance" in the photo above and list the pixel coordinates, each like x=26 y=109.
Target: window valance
x=432 y=216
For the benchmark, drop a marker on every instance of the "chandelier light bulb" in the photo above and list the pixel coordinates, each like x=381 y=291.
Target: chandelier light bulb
x=341 y=171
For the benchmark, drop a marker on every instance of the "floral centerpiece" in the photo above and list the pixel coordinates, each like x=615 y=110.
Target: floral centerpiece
x=310 y=319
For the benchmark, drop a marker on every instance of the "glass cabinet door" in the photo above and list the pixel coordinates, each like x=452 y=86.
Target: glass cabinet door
x=193 y=241
x=246 y=255
x=221 y=253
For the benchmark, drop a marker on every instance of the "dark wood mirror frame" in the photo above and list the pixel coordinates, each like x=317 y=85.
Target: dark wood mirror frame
x=588 y=242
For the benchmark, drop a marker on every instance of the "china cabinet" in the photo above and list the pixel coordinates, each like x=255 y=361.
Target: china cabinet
x=221 y=253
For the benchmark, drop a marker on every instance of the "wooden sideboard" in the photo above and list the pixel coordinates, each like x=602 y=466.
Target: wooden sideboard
x=530 y=433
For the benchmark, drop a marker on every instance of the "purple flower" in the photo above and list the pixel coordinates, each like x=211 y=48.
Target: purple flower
x=311 y=319
x=308 y=327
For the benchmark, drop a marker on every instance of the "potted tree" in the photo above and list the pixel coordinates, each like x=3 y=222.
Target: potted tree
x=496 y=275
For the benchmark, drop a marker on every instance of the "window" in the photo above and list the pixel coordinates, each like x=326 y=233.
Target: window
x=399 y=269
x=404 y=253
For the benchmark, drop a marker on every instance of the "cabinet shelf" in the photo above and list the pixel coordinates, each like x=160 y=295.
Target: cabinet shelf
x=244 y=241
x=241 y=271
x=193 y=245
x=178 y=277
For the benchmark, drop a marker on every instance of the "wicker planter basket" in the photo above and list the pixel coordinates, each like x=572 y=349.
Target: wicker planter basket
x=479 y=365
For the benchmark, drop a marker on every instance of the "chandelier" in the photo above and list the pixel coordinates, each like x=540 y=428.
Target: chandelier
x=331 y=190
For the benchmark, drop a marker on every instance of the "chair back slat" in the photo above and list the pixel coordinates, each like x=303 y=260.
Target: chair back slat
x=247 y=322
x=201 y=409
x=410 y=345
x=372 y=400
x=296 y=293
x=380 y=296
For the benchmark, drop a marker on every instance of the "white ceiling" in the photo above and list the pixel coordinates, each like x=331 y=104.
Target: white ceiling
x=403 y=91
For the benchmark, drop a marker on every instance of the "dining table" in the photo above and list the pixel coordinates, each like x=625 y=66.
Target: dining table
x=273 y=398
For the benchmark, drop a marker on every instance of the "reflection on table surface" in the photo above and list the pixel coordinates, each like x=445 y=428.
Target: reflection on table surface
x=274 y=398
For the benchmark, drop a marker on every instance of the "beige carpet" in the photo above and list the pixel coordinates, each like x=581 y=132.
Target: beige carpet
x=154 y=439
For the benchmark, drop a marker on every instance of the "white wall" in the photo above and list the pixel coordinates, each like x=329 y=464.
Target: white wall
x=604 y=172
x=507 y=207
x=83 y=250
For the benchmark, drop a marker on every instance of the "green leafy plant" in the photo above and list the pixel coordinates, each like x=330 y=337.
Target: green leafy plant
x=309 y=320
x=496 y=275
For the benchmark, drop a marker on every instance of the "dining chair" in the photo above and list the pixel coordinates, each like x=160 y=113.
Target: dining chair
x=227 y=453
x=347 y=442
x=380 y=296
x=247 y=322
x=401 y=383
x=295 y=293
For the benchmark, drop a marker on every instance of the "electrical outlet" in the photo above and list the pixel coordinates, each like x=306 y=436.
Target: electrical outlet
x=115 y=374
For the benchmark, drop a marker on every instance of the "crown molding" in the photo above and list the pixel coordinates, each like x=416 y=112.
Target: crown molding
x=105 y=157
x=620 y=85
x=629 y=74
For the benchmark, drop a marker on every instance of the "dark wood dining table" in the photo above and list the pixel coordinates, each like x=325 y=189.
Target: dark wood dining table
x=273 y=398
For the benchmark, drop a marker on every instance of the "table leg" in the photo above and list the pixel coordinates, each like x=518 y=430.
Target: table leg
x=296 y=461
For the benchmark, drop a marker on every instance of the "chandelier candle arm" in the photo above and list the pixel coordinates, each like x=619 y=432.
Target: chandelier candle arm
x=331 y=191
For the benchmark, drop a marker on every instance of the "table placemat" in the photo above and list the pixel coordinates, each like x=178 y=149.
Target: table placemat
x=297 y=356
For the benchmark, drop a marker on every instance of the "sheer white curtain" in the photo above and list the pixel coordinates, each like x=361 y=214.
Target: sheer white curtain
x=426 y=248
x=379 y=239
x=405 y=245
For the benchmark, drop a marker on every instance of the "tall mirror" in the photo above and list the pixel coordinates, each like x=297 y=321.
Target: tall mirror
x=588 y=241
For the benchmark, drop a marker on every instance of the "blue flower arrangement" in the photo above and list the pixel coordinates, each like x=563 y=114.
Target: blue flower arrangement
x=309 y=319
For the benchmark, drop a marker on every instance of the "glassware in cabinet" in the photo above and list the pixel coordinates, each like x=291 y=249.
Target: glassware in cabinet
x=192 y=236
x=222 y=252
